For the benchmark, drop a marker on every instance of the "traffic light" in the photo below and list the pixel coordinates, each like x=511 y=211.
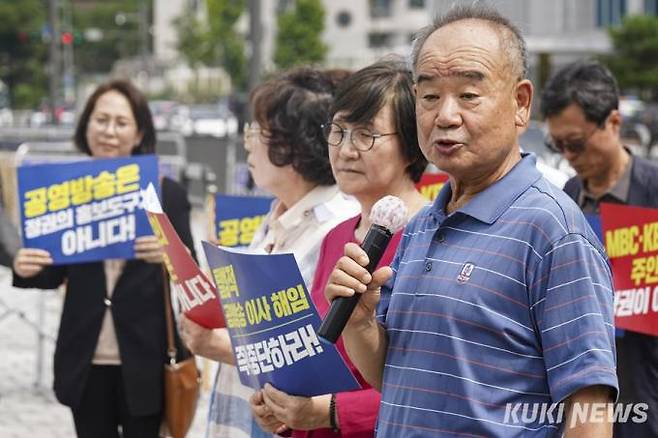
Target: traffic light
x=67 y=38
x=77 y=37
x=23 y=37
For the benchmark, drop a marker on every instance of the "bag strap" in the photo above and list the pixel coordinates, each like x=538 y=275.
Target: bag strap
x=171 y=345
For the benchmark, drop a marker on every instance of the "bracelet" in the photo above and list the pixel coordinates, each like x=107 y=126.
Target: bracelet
x=332 y=413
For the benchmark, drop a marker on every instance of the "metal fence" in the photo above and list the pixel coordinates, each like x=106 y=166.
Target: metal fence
x=203 y=164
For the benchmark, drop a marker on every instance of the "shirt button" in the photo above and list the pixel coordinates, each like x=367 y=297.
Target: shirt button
x=428 y=266
x=108 y=302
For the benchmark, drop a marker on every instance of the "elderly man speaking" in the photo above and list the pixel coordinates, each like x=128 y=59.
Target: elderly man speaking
x=495 y=318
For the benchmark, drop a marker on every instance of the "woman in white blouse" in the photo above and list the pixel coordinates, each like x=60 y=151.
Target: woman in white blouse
x=288 y=157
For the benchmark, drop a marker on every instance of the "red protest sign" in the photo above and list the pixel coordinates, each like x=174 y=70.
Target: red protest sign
x=430 y=184
x=631 y=241
x=196 y=294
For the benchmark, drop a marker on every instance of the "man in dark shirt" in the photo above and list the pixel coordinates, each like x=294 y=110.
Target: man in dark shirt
x=580 y=104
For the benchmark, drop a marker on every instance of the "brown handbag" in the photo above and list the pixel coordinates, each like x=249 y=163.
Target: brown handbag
x=181 y=379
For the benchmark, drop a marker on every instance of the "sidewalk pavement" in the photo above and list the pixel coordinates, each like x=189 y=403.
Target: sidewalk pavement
x=28 y=408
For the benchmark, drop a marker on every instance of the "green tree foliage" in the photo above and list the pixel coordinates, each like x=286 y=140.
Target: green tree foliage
x=222 y=17
x=193 y=40
x=24 y=43
x=299 y=36
x=215 y=42
x=23 y=54
x=635 y=58
x=119 y=41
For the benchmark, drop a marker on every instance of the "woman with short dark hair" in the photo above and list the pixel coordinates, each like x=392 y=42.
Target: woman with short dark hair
x=288 y=156
x=111 y=346
x=289 y=112
x=374 y=152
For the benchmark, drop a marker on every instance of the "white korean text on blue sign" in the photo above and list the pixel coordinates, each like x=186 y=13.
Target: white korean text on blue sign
x=87 y=210
x=272 y=323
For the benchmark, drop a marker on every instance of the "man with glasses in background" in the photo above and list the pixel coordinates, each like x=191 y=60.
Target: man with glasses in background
x=580 y=104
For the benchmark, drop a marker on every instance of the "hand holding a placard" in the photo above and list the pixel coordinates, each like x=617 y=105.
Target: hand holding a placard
x=297 y=413
x=264 y=416
x=30 y=261
x=213 y=344
x=149 y=249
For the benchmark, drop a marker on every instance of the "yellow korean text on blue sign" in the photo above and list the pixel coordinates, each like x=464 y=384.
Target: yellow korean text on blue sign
x=272 y=323
x=86 y=210
x=238 y=217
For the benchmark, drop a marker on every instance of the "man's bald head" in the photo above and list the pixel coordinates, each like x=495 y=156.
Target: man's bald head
x=511 y=40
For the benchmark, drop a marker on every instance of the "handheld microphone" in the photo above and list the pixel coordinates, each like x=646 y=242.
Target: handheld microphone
x=387 y=216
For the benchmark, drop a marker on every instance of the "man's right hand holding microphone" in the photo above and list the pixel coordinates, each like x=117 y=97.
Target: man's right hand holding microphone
x=365 y=339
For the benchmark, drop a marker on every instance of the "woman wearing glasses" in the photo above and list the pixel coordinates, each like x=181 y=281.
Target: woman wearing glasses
x=111 y=344
x=374 y=152
x=288 y=157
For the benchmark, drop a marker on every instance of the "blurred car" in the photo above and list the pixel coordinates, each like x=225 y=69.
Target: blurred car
x=6 y=117
x=211 y=120
x=634 y=132
x=38 y=118
x=162 y=111
x=630 y=107
x=64 y=116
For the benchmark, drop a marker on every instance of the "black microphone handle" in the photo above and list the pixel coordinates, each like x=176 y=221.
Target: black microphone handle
x=341 y=308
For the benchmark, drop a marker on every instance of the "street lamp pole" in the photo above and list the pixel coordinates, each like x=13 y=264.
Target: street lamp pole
x=142 y=19
x=68 y=55
x=144 y=34
x=54 y=67
x=255 y=40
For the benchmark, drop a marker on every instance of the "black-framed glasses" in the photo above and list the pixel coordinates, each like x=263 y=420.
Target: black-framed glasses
x=573 y=146
x=362 y=139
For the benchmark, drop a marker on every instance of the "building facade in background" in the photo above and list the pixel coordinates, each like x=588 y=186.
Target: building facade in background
x=360 y=31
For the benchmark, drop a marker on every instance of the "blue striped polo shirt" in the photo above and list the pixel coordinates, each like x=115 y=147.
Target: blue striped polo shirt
x=506 y=300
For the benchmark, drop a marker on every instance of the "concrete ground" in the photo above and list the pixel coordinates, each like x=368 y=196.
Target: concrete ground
x=28 y=408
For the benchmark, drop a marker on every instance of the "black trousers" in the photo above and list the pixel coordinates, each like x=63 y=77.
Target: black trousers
x=637 y=370
x=103 y=411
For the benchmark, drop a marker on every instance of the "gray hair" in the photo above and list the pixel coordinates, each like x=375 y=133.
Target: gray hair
x=511 y=38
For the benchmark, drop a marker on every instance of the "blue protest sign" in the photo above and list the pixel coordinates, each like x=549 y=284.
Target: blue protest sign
x=87 y=210
x=238 y=217
x=272 y=323
x=594 y=221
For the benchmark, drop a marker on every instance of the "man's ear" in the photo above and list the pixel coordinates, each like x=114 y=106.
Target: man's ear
x=614 y=120
x=523 y=94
